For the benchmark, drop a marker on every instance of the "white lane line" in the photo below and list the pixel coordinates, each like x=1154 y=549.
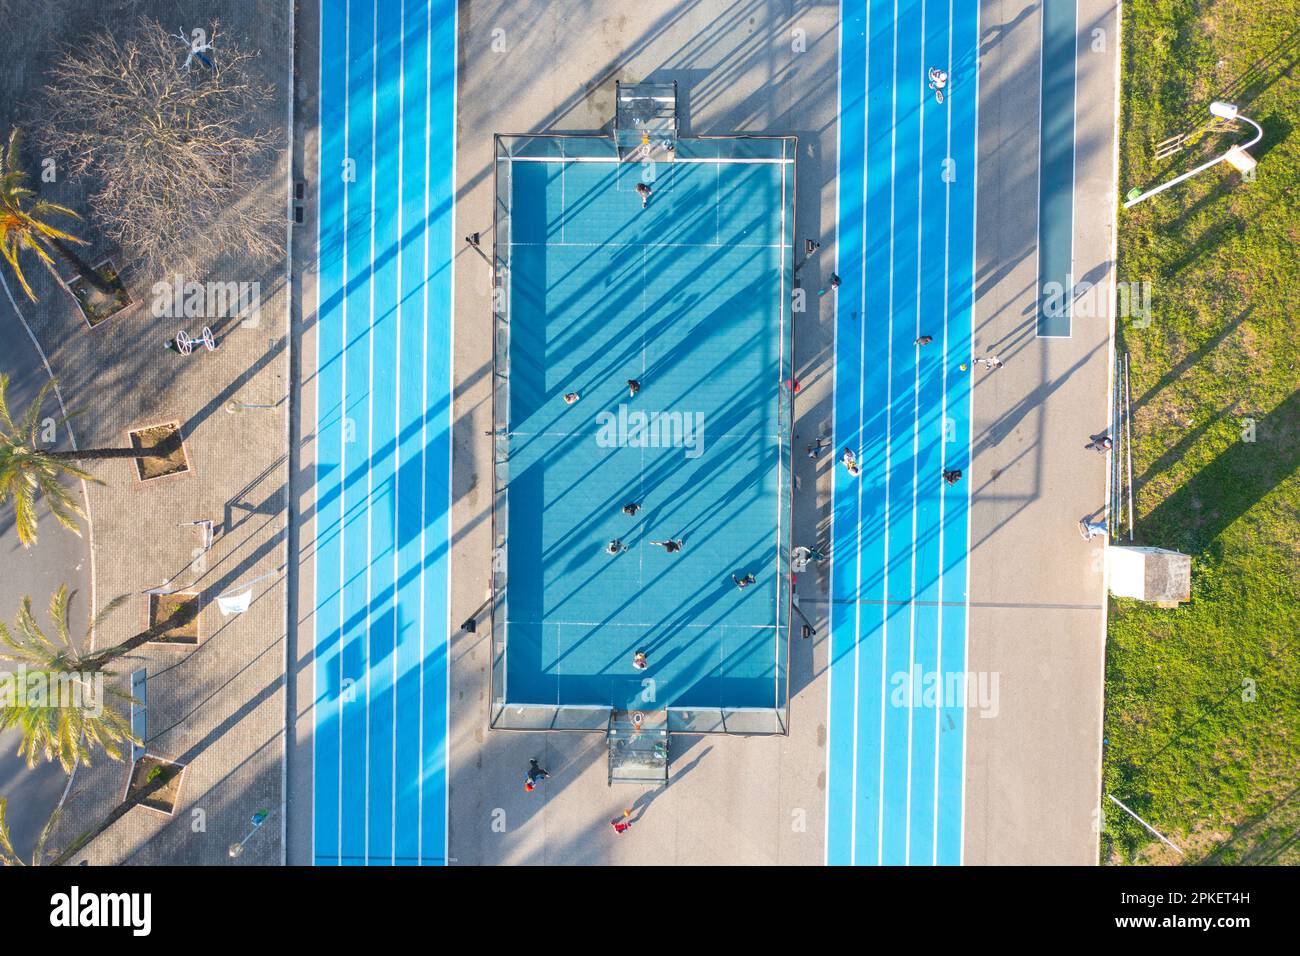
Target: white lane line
x=397 y=399
x=343 y=402
x=835 y=386
x=424 y=405
x=862 y=357
x=370 y=394
x=889 y=438
x=943 y=438
x=923 y=102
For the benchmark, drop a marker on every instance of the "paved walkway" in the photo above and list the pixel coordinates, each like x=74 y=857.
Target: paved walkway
x=1038 y=598
x=59 y=557
x=741 y=66
x=217 y=708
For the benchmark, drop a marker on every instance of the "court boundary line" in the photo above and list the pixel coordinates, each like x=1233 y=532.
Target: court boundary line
x=785 y=223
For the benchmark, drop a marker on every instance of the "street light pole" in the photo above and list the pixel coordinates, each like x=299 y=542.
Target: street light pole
x=258 y=819
x=1236 y=154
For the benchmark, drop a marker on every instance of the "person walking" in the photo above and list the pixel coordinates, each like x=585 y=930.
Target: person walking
x=633 y=386
x=1092 y=529
x=672 y=546
x=816 y=447
x=1101 y=443
x=805 y=554
x=952 y=475
x=850 y=462
x=631 y=509
x=744 y=582
x=643 y=190
x=835 y=284
x=535 y=775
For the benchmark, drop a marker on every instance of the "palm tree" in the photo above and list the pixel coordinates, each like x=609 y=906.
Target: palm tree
x=58 y=726
x=8 y=855
x=23 y=226
x=29 y=472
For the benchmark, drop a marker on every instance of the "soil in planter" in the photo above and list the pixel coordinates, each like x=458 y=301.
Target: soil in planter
x=95 y=304
x=183 y=612
x=155 y=784
x=156 y=467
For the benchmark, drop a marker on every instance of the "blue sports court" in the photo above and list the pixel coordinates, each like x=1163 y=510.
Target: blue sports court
x=688 y=297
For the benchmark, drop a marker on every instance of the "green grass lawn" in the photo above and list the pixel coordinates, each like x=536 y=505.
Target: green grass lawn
x=1203 y=702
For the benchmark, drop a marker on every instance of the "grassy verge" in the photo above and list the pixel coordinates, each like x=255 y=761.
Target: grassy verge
x=1203 y=702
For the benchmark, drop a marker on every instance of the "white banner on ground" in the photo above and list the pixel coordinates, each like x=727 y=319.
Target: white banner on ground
x=235 y=603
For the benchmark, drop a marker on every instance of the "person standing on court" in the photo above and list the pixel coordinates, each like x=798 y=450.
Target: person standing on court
x=622 y=824
x=615 y=547
x=633 y=386
x=570 y=397
x=639 y=661
x=672 y=546
x=924 y=340
x=952 y=475
x=631 y=509
x=744 y=582
x=643 y=190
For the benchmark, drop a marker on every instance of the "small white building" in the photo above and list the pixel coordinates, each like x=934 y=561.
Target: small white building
x=1157 y=575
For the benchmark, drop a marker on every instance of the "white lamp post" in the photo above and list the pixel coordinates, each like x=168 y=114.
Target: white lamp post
x=1236 y=155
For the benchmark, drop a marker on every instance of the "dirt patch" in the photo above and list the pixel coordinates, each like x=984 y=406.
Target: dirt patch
x=97 y=304
x=155 y=783
x=167 y=439
x=175 y=617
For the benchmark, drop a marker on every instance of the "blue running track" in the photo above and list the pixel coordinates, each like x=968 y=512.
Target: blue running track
x=900 y=535
x=383 y=451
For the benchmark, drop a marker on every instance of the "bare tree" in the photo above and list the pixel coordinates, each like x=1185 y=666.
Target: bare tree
x=171 y=141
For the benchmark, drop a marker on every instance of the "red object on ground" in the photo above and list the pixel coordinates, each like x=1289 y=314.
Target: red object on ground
x=619 y=826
